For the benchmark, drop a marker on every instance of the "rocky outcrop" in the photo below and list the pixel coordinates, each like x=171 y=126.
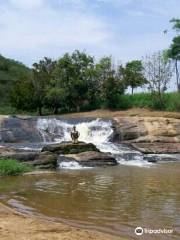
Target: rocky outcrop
x=23 y=156
x=86 y=154
x=127 y=129
x=45 y=160
x=70 y=148
x=158 y=148
x=153 y=158
x=90 y=159
x=18 y=130
x=149 y=134
x=147 y=129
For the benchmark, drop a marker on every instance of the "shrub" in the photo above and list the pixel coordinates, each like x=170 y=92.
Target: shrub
x=12 y=167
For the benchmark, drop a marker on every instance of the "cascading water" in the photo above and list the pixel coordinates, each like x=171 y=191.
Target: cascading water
x=95 y=131
x=98 y=132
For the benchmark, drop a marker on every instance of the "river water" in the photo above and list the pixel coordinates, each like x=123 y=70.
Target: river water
x=115 y=200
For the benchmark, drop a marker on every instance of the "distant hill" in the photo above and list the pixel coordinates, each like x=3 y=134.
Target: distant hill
x=10 y=72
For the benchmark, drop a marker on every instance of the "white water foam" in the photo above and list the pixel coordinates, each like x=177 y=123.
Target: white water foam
x=97 y=131
x=73 y=165
x=136 y=162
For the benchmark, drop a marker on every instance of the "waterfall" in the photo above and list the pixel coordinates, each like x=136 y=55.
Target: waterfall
x=98 y=132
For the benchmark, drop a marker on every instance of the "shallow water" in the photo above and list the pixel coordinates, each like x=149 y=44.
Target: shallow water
x=114 y=200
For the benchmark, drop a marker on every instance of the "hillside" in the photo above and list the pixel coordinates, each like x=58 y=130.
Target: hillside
x=10 y=71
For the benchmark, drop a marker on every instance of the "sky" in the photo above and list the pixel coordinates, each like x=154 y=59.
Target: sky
x=125 y=29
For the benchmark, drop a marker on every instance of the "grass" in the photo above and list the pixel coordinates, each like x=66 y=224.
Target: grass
x=171 y=102
x=11 y=167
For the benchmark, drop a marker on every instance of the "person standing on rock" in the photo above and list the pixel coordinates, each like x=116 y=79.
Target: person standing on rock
x=75 y=135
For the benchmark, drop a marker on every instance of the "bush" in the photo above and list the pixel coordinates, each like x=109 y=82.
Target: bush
x=10 y=167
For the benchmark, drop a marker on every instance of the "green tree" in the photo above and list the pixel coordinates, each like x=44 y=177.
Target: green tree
x=22 y=95
x=174 y=50
x=133 y=74
x=176 y=24
x=110 y=92
x=83 y=65
x=72 y=79
x=42 y=74
x=11 y=73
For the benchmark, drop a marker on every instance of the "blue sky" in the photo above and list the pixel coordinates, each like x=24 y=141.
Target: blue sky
x=125 y=29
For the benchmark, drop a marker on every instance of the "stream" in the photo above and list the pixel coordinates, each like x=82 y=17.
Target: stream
x=114 y=200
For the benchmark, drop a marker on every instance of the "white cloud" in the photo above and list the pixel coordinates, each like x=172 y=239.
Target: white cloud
x=31 y=29
x=50 y=31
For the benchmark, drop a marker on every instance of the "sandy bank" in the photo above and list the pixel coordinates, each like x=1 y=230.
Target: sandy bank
x=100 y=113
x=15 y=226
x=133 y=112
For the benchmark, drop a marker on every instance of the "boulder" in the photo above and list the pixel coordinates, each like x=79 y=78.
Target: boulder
x=147 y=129
x=20 y=156
x=45 y=160
x=90 y=159
x=153 y=158
x=4 y=150
x=17 y=130
x=70 y=148
x=157 y=148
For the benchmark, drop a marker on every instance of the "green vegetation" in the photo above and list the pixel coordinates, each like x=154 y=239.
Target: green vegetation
x=145 y=100
x=10 y=73
x=133 y=74
x=12 y=167
x=174 y=51
x=77 y=82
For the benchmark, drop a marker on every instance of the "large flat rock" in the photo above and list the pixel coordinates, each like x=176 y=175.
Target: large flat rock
x=147 y=129
x=23 y=156
x=90 y=159
x=19 y=130
x=70 y=148
x=159 y=148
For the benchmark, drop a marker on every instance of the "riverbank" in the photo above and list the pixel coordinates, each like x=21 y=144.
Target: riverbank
x=14 y=225
x=133 y=112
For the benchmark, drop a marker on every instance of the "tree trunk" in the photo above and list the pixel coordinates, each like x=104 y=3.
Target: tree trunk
x=132 y=90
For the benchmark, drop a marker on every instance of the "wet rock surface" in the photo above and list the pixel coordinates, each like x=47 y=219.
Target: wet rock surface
x=20 y=156
x=90 y=159
x=154 y=158
x=45 y=160
x=18 y=130
x=158 y=148
x=148 y=135
x=86 y=154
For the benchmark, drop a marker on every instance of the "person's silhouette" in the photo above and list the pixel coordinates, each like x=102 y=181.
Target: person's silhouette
x=75 y=135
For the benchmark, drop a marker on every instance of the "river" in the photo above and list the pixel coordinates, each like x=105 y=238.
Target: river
x=115 y=200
